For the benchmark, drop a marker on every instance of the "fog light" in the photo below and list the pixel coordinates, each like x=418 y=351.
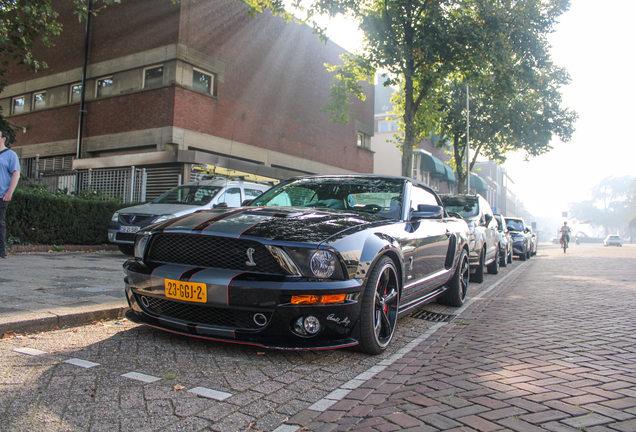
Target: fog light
x=306 y=326
x=312 y=325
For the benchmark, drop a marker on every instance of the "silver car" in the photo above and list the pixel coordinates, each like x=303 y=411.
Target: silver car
x=505 y=242
x=180 y=201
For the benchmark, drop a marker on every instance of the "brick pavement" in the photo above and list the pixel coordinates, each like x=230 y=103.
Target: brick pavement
x=552 y=348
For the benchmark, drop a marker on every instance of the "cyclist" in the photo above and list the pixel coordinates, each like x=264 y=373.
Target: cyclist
x=565 y=233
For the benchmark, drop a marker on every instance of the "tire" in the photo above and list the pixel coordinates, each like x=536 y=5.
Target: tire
x=523 y=256
x=379 y=309
x=529 y=254
x=493 y=268
x=126 y=249
x=455 y=295
x=478 y=276
x=510 y=257
x=503 y=261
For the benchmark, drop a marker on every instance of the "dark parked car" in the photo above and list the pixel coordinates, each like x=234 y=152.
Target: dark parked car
x=505 y=242
x=316 y=262
x=522 y=239
x=484 y=236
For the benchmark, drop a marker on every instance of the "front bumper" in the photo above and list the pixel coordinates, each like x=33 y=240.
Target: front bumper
x=248 y=309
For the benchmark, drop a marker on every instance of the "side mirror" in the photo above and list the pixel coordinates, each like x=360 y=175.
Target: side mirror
x=246 y=202
x=488 y=219
x=220 y=205
x=425 y=211
x=526 y=230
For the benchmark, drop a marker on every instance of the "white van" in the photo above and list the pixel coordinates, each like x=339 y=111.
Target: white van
x=179 y=201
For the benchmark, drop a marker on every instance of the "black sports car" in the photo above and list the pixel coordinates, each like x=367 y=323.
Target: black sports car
x=313 y=263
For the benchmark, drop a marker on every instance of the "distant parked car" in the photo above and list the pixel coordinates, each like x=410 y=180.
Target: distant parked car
x=179 y=201
x=484 y=236
x=522 y=239
x=315 y=262
x=613 y=240
x=505 y=242
x=534 y=241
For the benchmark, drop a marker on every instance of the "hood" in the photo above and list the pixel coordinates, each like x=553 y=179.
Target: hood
x=162 y=209
x=278 y=224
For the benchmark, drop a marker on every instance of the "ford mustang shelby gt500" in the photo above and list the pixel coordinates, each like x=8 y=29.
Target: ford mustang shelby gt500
x=315 y=262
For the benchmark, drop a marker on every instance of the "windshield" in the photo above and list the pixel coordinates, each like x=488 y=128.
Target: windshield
x=465 y=206
x=190 y=195
x=500 y=224
x=374 y=195
x=514 y=224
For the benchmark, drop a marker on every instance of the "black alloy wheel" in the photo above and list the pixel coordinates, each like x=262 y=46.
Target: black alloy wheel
x=478 y=276
x=379 y=309
x=455 y=295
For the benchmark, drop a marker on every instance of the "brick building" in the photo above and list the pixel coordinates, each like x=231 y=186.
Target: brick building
x=171 y=85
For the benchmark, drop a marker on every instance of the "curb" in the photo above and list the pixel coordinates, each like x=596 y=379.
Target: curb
x=60 y=321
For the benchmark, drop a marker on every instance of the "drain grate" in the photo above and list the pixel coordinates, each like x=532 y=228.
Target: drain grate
x=433 y=316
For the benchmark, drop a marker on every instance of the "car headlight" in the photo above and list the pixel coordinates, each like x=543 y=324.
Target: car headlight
x=141 y=241
x=322 y=264
x=164 y=218
x=115 y=216
x=315 y=263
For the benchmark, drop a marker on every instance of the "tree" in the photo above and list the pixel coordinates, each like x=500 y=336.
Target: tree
x=432 y=48
x=609 y=206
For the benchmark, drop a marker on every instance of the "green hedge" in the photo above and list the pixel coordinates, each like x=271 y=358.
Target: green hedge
x=38 y=217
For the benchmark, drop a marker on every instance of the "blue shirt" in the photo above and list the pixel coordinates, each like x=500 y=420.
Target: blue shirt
x=9 y=163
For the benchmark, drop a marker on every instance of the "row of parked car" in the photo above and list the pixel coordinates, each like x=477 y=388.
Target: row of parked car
x=312 y=263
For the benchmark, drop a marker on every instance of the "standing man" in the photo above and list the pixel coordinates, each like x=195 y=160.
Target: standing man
x=9 y=176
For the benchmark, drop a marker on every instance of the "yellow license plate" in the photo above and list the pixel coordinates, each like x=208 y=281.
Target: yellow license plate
x=188 y=291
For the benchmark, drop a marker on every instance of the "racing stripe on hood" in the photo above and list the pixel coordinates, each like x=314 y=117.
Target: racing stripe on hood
x=193 y=221
x=238 y=223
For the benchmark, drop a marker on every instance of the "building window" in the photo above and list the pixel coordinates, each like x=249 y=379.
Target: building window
x=104 y=87
x=363 y=140
x=202 y=81
x=76 y=92
x=387 y=126
x=39 y=100
x=153 y=76
x=17 y=104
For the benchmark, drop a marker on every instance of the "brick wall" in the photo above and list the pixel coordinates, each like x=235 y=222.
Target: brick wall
x=275 y=84
x=118 y=30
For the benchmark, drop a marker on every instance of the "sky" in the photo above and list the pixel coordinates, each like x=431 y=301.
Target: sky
x=594 y=42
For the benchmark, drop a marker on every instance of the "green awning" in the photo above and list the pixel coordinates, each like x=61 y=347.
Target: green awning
x=431 y=164
x=478 y=183
x=451 y=177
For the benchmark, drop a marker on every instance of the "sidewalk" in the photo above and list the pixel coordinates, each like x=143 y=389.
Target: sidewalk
x=42 y=290
x=550 y=349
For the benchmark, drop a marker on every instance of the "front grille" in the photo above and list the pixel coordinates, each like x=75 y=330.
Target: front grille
x=217 y=252
x=136 y=219
x=197 y=314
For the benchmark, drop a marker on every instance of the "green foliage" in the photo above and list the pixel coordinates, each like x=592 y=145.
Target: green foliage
x=39 y=217
x=347 y=78
x=431 y=49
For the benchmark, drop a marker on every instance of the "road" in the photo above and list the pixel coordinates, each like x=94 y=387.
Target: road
x=570 y=310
